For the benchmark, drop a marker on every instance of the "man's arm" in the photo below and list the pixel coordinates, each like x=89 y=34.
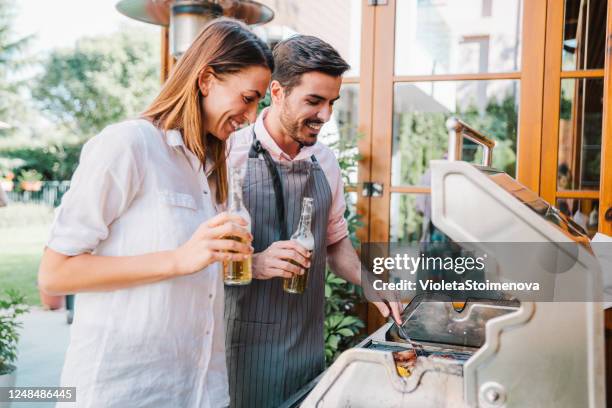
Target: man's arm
x=344 y=262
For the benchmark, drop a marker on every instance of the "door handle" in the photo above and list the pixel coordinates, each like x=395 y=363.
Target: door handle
x=372 y=189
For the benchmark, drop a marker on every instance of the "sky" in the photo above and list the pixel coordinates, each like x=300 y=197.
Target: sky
x=59 y=23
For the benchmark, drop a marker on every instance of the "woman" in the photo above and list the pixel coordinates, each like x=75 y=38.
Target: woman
x=138 y=238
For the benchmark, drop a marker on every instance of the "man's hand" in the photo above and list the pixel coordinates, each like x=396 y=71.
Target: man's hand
x=274 y=261
x=395 y=308
x=345 y=263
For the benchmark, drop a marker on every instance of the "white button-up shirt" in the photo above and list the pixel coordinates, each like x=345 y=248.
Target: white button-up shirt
x=139 y=190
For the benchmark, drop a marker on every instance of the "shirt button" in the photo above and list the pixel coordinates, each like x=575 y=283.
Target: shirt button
x=207 y=332
x=210 y=296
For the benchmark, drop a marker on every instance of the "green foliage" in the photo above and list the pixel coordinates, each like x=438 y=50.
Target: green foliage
x=410 y=222
x=338 y=328
x=102 y=80
x=54 y=162
x=499 y=122
x=265 y=102
x=422 y=137
x=12 y=104
x=347 y=153
x=12 y=305
x=342 y=327
x=566 y=102
x=24 y=232
x=10 y=47
x=30 y=175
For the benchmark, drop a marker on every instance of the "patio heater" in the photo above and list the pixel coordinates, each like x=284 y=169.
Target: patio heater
x=185 y=18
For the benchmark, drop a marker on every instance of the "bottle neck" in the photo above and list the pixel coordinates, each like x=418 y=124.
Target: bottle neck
x=305 y=217
x=235 y=200
x=235 y=194
x=305 y=222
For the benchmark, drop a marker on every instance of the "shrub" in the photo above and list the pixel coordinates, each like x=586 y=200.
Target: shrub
x=53 y=162
x=342 y=324
x=11 y=306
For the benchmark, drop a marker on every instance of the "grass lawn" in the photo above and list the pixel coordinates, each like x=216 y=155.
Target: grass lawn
x=23 y=232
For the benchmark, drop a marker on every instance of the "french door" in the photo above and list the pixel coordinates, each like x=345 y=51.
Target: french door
x=533 y=75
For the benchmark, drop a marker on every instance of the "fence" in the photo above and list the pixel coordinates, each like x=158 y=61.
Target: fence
x=50 y=194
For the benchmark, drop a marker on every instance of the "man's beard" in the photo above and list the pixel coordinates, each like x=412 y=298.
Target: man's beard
x=292 y=127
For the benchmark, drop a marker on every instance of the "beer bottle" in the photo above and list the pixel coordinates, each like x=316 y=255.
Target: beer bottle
x=237 y=272
x=304 y=237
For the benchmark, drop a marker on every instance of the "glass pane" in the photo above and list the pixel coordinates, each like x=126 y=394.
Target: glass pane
x=453 y=37
x=420 y=111
x=580 y=122
x=584 y=212
x=341 y=132
x=345 y=117
x=584 y=34
x=337 y=22
x=407 y=220
x=410 y=219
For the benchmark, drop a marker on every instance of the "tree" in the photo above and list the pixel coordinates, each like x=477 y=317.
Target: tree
x=101 y=81
x=11 y=60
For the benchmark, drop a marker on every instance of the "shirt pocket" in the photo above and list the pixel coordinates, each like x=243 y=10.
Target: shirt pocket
x=179 y=217
x=243 y=333
x=177 y=199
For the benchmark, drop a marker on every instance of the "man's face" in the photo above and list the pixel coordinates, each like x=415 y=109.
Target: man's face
x=308 y=106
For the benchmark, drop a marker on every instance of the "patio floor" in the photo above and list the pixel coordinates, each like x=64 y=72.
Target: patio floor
x=43 y=343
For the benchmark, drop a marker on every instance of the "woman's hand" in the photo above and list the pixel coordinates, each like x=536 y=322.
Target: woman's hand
x=212 y=243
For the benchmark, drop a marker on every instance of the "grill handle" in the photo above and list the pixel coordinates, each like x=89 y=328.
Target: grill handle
x=457 y=130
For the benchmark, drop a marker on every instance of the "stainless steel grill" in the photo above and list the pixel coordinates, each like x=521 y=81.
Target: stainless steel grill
x=516 y=353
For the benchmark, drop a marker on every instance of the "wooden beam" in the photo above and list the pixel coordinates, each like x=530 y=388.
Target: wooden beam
x=591 y=73
x=552 y=92
x=532 y=95
x=165 y=54
x=366 y=85
x=484 y=76
x=382 y=130
x=410 y=189
x=605 y=183
x=582 y=194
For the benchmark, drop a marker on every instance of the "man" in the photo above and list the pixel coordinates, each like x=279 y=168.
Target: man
x=274 y=339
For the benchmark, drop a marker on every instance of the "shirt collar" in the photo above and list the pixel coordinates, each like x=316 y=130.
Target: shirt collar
x=270 y=144
x=174 y=138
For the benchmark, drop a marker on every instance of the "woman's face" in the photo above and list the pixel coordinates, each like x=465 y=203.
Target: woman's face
x=231 y=101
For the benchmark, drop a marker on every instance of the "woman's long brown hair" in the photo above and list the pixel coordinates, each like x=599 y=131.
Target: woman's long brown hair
x=225 y=46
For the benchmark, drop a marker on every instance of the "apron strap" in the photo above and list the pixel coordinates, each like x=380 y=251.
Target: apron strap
x=255 y=150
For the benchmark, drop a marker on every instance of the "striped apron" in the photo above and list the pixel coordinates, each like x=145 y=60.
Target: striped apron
x=274 y=340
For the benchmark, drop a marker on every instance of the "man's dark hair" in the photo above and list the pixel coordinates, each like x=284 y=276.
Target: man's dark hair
x=301 y=54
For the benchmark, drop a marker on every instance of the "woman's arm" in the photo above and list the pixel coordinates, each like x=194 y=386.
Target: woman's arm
x=62 y=274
